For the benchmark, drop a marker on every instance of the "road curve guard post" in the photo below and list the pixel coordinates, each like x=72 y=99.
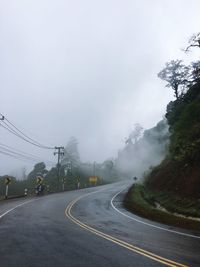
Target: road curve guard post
x=7 y=182
x=63 y=183
x=48 y=188
x=78 y=183
x=25 y=192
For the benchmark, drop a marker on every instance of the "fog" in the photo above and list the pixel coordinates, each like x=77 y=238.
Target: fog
x=139 y=155
x=86 y=69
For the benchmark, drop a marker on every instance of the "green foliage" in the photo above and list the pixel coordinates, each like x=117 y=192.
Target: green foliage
x=148 y=151
x=141 y=201
x=175 y=108
x=179 y=172
x=71 y=153
x=76 y=177
x=175 y=74
x=195 y=71
x=185 y=138
x=39 y=169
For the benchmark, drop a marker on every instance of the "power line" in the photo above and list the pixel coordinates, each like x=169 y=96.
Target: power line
x=47 y=147
x=2 y=118
x=24 y=155
x=15 y=156
x=8 y=128
x=19 y=156
x=14 y=130
x=22 y=158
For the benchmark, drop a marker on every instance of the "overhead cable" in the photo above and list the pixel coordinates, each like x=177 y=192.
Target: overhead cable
x=9 y=126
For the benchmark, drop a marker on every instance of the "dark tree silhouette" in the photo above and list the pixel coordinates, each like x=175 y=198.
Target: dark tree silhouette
x=194 y=41
x=175 y=73
x=195 y=72
x=135 y=134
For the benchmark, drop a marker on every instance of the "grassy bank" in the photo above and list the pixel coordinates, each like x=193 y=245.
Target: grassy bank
x=142 y=202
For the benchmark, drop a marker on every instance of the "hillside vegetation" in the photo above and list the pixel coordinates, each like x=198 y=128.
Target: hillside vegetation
x=179 y=173
x=172 y=189
x=170 y=192
x=143 y=153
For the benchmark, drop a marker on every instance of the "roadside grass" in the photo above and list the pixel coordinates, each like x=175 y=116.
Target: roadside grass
x=142 y=202
x=175 y=204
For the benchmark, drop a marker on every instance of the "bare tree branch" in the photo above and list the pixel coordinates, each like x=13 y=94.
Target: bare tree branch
x=194 y=41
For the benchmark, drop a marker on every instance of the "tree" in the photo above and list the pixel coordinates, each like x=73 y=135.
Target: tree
x=108 y=170
x=135 y=134
x=195 y=72
x=108 y=164
x=194 y=41
x=39 y=169
x=175 y=73
x=71 y=152
x=51 y=179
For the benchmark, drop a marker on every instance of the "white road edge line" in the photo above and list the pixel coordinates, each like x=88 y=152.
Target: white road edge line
x=148 y=224
x=24 y=203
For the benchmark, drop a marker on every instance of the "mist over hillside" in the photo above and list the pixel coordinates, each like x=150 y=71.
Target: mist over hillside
x=139 y=155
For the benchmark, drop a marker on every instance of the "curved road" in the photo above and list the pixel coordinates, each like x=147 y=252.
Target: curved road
x=85 y=228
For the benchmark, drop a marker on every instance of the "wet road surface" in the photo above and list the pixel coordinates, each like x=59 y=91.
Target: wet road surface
x=81 y=228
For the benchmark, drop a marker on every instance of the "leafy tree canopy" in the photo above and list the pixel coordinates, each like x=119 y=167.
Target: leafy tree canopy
x=39 y=169
x=175 y=74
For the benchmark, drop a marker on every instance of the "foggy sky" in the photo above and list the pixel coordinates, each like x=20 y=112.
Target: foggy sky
x=87 y=69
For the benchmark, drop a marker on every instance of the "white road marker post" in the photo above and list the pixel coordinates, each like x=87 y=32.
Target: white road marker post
x=7 y=182
x=25 y=192
x=63 y=184
x=6 y=196
x=78 y=183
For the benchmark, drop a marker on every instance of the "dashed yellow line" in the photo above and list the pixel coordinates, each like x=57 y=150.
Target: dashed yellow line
x=117 y=241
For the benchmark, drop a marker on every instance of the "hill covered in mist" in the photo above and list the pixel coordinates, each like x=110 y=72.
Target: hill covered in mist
x=170 y=191
x=179 y=172
x=143 y=153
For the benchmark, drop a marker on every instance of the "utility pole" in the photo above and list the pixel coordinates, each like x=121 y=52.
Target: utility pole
x=94 y=169
x=2 y=118
x=78 y=183
x=59 y=152
x=94 y=174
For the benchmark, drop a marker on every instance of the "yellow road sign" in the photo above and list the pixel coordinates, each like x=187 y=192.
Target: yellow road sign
x=39 y=179
x=8 y=180
x=93 y=179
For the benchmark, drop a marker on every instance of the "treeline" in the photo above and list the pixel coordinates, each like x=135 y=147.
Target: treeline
x=73 y=174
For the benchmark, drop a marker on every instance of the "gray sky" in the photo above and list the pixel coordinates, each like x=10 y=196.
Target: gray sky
x=87 y=69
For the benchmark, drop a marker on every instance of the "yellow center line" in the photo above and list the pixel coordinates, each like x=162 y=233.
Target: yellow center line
x=117 y=241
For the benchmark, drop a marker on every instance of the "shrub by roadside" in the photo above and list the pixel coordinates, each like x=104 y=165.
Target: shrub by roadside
x=141 y=202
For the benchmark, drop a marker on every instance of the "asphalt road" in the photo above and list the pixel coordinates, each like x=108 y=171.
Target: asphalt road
x=85 y=228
